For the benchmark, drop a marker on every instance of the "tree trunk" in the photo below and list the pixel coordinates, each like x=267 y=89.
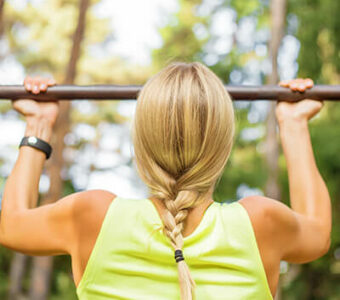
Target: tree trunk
x=277 y=16
x=278 y=13
x=16 y=275
x=40 y=277
x=2 y=2
x=42 y=266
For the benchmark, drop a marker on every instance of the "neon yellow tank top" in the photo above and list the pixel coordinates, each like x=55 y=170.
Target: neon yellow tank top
x=132 y=259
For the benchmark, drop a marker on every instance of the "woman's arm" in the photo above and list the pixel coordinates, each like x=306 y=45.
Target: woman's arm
x=309 y=196
x=23 y=182
x=21 y=226
x=301 y=233
x=49 y=229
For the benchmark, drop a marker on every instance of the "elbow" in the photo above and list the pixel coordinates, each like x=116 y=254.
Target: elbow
x=2 y=229
x=327 y=237
x=326 y=246
x=2 y=234
x=323 y=246
x=324 y=230
x=3 y=226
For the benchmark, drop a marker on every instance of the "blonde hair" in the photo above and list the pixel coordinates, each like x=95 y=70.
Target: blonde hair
x=183 y=134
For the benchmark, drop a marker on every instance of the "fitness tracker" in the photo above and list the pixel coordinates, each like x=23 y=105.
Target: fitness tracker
x=37 y=143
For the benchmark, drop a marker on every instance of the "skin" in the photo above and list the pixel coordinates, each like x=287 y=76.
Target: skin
x=71 y=225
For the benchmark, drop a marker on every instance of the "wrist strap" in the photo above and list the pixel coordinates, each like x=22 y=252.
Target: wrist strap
x=37 y=143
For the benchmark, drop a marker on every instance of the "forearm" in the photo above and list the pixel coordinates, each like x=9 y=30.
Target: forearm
x=308 y=192
x=21 y=189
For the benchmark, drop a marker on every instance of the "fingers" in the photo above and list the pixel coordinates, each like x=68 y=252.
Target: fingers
x=309 y=83
x=284 y=83
x=36 y=85
x=51 y=82
x=43 y=87
x=28 y=83
x=297 y=84
x=294 y=86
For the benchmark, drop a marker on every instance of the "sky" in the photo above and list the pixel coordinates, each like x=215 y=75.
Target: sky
x=135 y=25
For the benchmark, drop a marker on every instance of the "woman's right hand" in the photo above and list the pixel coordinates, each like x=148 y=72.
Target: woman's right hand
x=32 y=109
x=302 y=110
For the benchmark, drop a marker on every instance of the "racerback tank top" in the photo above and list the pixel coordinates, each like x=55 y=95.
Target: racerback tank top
x=133 y=259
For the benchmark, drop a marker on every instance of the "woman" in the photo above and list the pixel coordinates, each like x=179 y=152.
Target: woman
x=183 y=135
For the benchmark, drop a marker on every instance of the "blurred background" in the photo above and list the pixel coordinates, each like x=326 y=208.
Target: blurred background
x=126 y=42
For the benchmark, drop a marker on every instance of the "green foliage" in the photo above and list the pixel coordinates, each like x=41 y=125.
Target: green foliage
x=318 y=33
x=246 y=8
x=5 y=259
x=244 y=162
x=179 y=40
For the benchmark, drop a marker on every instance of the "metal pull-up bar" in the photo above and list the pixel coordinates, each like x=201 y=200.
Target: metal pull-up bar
x=126 y=92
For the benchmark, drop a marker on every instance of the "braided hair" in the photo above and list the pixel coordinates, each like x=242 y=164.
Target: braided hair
x=183 y=134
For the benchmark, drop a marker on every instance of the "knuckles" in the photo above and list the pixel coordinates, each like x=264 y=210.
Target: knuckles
x=298 y=84
x=37 y=84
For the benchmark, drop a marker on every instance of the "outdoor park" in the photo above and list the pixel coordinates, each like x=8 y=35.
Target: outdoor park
x=101 y=53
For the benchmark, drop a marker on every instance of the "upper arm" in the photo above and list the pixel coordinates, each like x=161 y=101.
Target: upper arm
x=295 y=237
x=49 y=229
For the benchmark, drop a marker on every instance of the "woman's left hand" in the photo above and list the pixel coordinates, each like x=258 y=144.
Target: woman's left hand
x=33 y=109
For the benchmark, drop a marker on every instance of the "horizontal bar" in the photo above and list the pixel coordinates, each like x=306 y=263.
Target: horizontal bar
x=129 y=92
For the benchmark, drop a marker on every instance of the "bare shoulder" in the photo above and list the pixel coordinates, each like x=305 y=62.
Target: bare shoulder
x=293 y=236
x=275 y=225
x=269 y=214
x=88 y=212
x=261 y=211
x=92 y=205
x=267 y=208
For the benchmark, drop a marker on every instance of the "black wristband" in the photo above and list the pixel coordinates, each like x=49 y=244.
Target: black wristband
x=37 y=143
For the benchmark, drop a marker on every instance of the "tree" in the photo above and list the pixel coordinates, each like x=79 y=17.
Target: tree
x=42 y=266
x=278 y=14
x=272 y=189
x=2 y=2
x=16 y=276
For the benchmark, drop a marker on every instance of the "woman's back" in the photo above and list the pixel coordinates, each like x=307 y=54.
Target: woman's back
x=133 y=259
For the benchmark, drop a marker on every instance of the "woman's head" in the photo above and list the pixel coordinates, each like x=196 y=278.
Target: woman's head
x=183 y=134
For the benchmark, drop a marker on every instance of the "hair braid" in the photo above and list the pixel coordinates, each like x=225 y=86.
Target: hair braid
x=177 y=201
